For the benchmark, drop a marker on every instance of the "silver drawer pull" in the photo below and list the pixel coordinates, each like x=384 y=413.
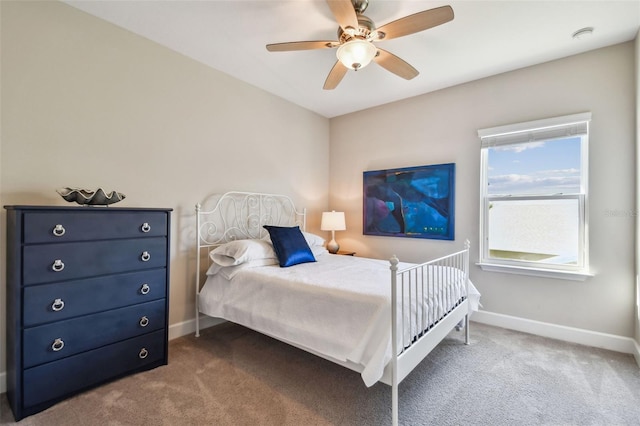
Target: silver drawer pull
x=59 y=231
x=144 y=321
x=145 y=288
x=57 y=305
x=145 y=256
x=57 y=345
x=58 y=265
x=143 y=353
x=145 y=227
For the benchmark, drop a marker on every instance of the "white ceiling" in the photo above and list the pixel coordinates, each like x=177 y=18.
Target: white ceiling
x=485 y=38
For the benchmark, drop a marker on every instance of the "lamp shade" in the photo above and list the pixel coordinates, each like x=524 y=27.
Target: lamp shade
x=333 y=221
x=356 y=54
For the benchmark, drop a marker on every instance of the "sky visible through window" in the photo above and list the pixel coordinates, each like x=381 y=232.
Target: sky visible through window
x=546 y=167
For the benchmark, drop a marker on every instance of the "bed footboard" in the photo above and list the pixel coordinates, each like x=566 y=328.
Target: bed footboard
x=427 y=302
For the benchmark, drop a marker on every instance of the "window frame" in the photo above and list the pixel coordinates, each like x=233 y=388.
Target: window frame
x=540 y=130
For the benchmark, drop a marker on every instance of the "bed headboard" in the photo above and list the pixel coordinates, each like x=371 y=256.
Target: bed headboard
x=240 y=215
x=221 y=218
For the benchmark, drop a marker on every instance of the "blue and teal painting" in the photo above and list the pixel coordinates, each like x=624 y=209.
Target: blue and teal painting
x=416 y=202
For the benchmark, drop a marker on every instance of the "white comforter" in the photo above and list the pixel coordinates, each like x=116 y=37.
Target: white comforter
x=338 y=306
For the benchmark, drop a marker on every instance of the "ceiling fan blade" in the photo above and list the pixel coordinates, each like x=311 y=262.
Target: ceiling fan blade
x=302 y=45
x=344 y=13
x=415 y=23
x=392 y=63
x=335 y=76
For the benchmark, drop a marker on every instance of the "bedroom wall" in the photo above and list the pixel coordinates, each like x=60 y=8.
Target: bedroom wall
x=442 y=127
x=85 y=103
x=637 y=49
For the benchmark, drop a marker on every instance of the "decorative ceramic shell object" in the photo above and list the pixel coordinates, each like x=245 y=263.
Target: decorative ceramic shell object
x=90 y=197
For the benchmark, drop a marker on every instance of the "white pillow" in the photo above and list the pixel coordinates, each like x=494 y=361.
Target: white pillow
x=240 y=251
x=318 y=250
x=313 y=240
x=230 y=271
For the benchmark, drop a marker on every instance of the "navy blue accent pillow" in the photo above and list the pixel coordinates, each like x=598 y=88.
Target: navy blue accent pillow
x=290 y=245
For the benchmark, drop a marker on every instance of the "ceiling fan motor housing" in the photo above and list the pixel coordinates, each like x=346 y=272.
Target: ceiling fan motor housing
x=366 y=30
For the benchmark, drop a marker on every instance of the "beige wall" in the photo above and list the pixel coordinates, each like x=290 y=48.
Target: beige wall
x=441 y=127
x=637 y=335
x=85 y=103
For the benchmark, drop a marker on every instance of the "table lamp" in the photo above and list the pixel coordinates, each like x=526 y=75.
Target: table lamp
x=333 y=221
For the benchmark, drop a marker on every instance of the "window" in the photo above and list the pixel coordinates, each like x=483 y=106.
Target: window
x=533 y=195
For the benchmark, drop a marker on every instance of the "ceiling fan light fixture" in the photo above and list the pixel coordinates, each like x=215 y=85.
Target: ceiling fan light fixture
x=356 y=54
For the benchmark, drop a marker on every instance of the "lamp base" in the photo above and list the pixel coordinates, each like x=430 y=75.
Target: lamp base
x=333 y=246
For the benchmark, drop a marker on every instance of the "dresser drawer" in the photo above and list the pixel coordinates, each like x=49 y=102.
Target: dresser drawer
x=58 y=262
x=54 y=302
x=60 y=378
x=61 y=339
x=90 y=225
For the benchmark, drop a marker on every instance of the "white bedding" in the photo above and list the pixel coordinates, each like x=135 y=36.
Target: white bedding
x=338 y=306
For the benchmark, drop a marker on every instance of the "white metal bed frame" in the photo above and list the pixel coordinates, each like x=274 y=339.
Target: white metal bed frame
x=241 y=215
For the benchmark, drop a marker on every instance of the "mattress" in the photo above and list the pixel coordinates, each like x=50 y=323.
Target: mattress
x=339 y=306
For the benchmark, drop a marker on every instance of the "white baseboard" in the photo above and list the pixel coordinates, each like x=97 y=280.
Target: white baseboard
x=568 y=334
x=560 y=332
x=189 y=326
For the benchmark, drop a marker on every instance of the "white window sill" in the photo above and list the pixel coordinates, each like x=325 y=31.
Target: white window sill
x=535 y=272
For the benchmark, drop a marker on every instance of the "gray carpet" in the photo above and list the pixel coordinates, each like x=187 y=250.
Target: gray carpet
x=234 y=376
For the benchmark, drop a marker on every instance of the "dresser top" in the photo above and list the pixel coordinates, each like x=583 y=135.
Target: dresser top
x=87 y=208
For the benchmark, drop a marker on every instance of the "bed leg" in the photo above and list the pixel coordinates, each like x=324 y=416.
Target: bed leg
x=466 y=329
x=394 y=404
x=197 y=317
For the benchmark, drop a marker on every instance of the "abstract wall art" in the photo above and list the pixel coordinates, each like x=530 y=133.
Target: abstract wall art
x=415 y=202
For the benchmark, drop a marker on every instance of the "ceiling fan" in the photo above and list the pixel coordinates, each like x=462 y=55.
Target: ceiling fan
x=357 y=34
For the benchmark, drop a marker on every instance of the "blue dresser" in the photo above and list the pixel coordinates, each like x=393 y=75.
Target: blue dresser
x=87 y=299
